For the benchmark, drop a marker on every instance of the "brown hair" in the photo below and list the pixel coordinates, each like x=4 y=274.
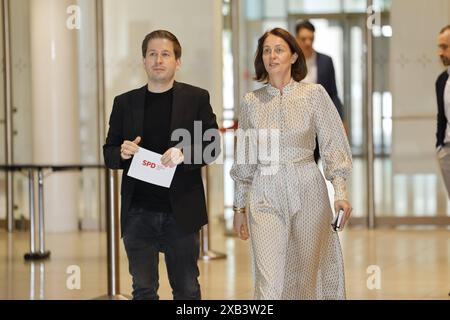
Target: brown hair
x=447 y=27
x=305 y=24
x=162 y=34
x=298 y=69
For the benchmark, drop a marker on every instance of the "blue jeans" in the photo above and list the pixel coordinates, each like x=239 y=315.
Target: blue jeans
x=147 y=234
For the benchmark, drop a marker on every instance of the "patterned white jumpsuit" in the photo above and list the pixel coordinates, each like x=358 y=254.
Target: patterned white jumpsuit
x=296 y=255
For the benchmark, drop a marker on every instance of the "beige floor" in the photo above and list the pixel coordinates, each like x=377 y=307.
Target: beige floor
x=414 y=264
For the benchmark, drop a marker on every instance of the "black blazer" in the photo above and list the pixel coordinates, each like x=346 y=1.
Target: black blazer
x=326 y=77
x=441 y=118
x=189 y=104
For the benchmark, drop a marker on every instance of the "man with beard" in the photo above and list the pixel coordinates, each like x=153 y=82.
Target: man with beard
x=443 y=102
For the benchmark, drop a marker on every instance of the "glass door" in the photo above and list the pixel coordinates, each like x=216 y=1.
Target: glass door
x=408 y=188
x=341 y=36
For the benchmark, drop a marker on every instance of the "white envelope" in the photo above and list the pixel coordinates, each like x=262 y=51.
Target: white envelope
x=146 y=166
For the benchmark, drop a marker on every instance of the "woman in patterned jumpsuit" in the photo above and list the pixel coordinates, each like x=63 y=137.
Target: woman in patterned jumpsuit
x=296 y=255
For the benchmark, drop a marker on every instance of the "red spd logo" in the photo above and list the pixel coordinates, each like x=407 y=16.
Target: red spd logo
x=152 y=165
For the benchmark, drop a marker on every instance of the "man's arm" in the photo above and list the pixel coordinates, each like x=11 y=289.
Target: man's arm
x=441 y=119
x=333 y=91
x=114 y=138
x=210 y=146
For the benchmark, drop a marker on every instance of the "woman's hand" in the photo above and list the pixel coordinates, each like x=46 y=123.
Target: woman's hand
x=240 y=225
x=345 y=205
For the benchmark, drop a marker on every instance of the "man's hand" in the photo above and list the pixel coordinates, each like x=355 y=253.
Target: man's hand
x=129 y=148
x=172 y=157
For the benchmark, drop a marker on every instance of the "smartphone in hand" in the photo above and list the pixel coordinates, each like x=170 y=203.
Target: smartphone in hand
x=336 y=225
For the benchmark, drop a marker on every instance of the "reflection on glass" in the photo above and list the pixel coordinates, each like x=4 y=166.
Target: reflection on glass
x=37 y=277
x=275 y=9
x=315 y=6
x=407 y=181
x=357 y=56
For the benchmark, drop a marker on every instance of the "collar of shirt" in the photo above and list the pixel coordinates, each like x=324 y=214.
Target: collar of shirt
x=312 y=59
x=286 y=89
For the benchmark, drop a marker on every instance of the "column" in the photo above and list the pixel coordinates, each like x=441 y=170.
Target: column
x=55 y=123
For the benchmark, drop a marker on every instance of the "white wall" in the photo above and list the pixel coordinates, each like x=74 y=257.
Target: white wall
x=197 y=25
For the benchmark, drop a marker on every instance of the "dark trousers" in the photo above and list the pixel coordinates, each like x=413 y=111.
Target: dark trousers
x=147 y=234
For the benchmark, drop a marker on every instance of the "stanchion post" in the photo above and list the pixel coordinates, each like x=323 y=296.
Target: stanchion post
x=112 y=235
x=205 y=252
x=31 y=202
x=34 y=254
x=44 y=254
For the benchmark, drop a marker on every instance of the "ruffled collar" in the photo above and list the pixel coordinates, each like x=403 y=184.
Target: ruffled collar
x=286 y=89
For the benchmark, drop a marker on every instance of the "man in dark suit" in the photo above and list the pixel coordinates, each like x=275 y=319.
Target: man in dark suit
x=443 y=104
x=320 y=66
x=153 y=218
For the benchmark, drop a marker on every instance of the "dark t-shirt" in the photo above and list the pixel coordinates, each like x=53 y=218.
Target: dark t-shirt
x=156 y=137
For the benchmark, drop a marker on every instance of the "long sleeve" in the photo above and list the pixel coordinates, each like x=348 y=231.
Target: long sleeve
x=333 y=91
x=333 y=144
x=245 y=158
x=206 y=152
x=111 y=149
x=441 y=119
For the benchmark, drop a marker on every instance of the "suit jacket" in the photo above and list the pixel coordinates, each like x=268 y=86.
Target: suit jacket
x=441 y=118
x=326 y=77
x=186 y=192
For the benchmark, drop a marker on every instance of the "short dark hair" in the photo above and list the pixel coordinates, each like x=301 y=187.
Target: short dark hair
x=305 y=24
x=447 y=27
x=162 y=34
x=298 y=69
